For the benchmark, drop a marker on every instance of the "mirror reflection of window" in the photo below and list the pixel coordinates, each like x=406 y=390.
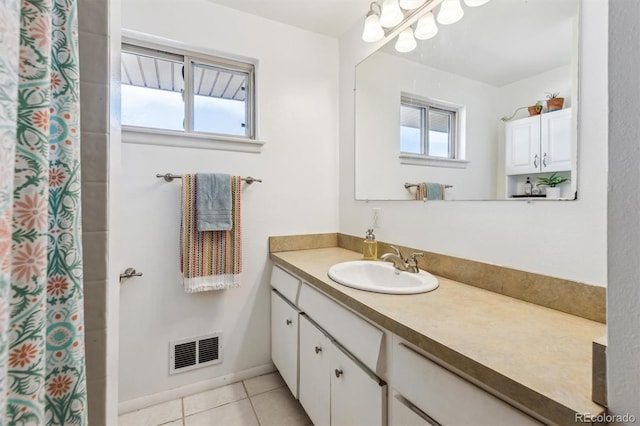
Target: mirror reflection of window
x=427 y=128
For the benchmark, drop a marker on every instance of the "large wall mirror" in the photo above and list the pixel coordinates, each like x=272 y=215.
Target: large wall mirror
x=453 y=113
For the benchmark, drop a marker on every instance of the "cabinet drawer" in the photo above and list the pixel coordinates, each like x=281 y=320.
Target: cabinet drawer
x=286 y=284
x=352 y=332
x=448 y=398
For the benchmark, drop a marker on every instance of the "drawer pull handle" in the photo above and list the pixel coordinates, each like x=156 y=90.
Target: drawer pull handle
x=289 y=322
x=338 y=373
x=318 y=349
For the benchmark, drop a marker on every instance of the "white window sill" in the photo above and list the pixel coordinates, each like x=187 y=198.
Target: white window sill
x=146 y=136
x=423 y=160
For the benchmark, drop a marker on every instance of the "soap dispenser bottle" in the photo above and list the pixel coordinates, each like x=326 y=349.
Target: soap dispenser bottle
x=528 y=187
x=370 y=246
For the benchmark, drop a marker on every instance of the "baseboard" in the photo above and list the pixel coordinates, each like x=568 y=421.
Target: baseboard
x=190 y=389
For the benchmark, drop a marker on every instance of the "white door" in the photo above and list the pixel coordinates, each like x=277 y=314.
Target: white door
x=314 y=387
x=556 y=141
x=284 y=340
x=523 y=146
x=357 y=397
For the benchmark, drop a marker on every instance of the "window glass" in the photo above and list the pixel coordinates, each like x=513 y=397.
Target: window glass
x=215 y=97
x=440 y=133
x=219 y=100
x=410 y=129
x=152 y=92
x=427 y=128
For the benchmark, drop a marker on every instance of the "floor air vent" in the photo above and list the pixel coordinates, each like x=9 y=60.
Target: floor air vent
x=195 y=352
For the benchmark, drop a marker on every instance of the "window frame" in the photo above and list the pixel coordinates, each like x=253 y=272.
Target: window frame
x=165 y=49
x=457 y=150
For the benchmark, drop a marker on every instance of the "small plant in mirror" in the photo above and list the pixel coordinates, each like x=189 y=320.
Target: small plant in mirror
x=552 y=181
x=552 y=95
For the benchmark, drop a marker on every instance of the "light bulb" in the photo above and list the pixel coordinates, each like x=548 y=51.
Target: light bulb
x=406 y=42
x=411 y=4
x=450 y=12
x=391 y=14
x=372 y=29
x=475 y=3
x=426 y=27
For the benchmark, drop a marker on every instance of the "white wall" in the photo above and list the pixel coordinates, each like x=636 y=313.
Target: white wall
x=623 y=291
x=297 y=87
x=562 y=239
x=380 y=80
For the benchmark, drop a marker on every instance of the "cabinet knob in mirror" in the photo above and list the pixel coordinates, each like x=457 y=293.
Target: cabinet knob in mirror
x=338 y=373
x=289 y=322
x=318 y=349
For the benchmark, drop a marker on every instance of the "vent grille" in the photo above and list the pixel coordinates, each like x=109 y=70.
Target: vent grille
x=208 y=350
x=185 y=355
x=195 y=352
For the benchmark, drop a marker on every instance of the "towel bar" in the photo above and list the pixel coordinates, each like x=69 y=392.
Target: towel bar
x=168 y=177
x=408 y=185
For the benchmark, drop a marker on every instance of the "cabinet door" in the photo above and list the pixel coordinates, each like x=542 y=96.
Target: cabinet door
x=556 y=141
x=357 y=397
x=314 y=372
x=522 y=151
x=284 y=340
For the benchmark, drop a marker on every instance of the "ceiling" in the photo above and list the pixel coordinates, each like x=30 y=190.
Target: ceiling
x=329 y=17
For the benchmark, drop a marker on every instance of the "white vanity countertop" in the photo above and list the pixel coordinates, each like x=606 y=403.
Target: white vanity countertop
x=536 y=356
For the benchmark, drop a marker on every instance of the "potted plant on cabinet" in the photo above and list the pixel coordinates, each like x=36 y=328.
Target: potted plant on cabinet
x=554 y=102
x=552 y=192
x=535 y=109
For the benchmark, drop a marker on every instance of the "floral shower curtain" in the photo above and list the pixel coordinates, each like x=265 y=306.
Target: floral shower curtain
x=42 y=368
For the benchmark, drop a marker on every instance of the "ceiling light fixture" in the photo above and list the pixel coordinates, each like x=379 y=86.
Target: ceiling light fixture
x=381 y=21
x=450 y=12
x=406 y=42
x=372 y=29
x=391 y=14
x=426 y=27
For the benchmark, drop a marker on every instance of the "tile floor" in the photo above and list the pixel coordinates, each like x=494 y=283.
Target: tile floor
x=260 y=401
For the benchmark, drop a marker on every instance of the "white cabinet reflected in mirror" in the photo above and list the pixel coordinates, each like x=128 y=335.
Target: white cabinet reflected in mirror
x=453 y=112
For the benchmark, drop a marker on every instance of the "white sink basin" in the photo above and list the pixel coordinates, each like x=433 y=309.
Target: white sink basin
x=381 y=277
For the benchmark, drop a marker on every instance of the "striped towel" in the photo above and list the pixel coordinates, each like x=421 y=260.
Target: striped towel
x=209 y=260
x=421 y=191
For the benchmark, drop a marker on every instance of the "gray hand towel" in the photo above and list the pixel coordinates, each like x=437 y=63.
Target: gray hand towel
x=213 y=195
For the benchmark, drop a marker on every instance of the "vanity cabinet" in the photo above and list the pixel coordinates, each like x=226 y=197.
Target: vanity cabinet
x=284 y=326
x=327 y=355
x=335 y=388
x=539 y=144
x=284 y=339
x=435 y=395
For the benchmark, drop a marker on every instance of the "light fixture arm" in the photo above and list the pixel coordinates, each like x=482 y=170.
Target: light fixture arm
x=372 y=11
x=415 y=13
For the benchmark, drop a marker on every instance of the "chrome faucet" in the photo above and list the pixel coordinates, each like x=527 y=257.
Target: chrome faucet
x=400 y=263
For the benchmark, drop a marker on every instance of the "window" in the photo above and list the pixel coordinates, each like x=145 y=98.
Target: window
x=429 y=128
x=175 y=90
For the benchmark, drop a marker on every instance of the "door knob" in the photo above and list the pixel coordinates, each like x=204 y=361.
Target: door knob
x=338 y=373
x=128 y=273
x=318 y=349
x=289 y=322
